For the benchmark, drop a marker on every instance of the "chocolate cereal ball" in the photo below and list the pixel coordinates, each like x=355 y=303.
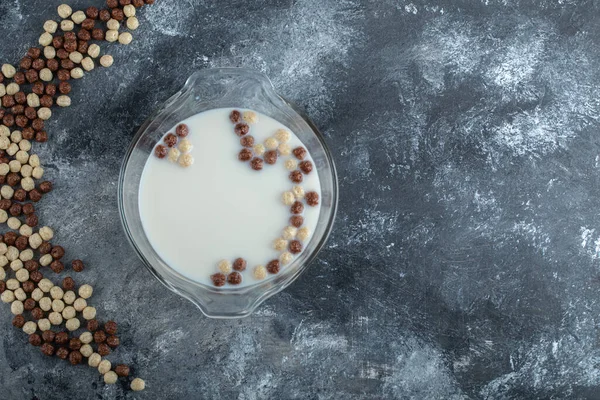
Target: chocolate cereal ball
x=299 y=153
x=111 y=327
x=182 y=130
x=122 y=370
x=256 y=163
x=271 y=157
x=241 y=129
x=312 y=198
x=297 y=208
x=235 y=116
x=161 y=151
x=234 y=278
x=295 y=247
x=273 y=266
x=296 y=176
x=296 y=221
x=245 y=155
x=218 y=279
x=239 y=264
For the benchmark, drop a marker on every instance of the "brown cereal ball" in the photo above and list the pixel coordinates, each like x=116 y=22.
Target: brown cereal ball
x=57 y=252
x=92 y=325
x=137 y=3
x=299 y=153
x=75 y=344
x=68 y=283
x=92 y=12
x=218 y=279
x=5 y=204
x=15 y=210
x=247 y=141
x=296 y=176
x=31 y=265
x=273 y=266
x=77 y=265
x=35 y=339
x=271 y=157
x=296 y=221
x=170 y=140
x=117 y=14
x=122 y=370
x=104 y=15
x=31 y=220
x=2 y=286
x=245 y=155
x=25 y=63
x=112 y=3
x=40 y=137
x=75 y=357
x=256 y=163
x=111 y=327
x=99 y=337
x=241 y=129
x=18 y=321
x=161 y=151
x=38 y=64
x=306 y=167
x=64 y=87
x=312 y=198
x=19 y=78
x=45 y=248
x=98 y=34
x=103 y=349
x=235 y=116
x=239 y=264
x=113 y=341
x=10 y=238
x=48 y=336
x=57 y=267
x=182 y=130
x=22 y=243
x=61 y=338
x=46 y=187
x=37 y=313
x=20 y=195
x=28 y=286
x=295 y=247
x=36 y=276
x=234 y=278
x=62 y=353
x=29 y=304
x=88 y=24
x=297 y=208
x=47 y=349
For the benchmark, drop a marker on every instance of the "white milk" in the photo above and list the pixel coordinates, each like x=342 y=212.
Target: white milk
x=219 y=208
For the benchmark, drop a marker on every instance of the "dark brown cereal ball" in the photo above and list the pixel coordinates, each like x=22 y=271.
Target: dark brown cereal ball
x=137 y=3
x=68 y=283
x=40 y=137
x=149 y=1
x=20 y=195
x=247 y=141
x=34 y=195
x=34 y=52
x=30 y=113
x=271 y=157
x=25 y=62
x=273 y=267
x=97 y=34
x=295 y=247
x=48 y=336
x=103 y=349
x=31 y=265
x=37 y=313
x=8 y=101
x=51 y=89
x=297 y=207
x=111 y=327
x=117 y=14
x=170 y=140
x=75 y=357
x=83 y=34
x=256 y=163
x=10 y=238
x=63 y=75
x=2 y=286
x=5 y=205
x=218 y=279
x=18 y=321
x=113 y=341
x=296 y=176
x=245 y=155
x=161 y=151
x=22 y=243
x=104 y=15
x=57 y=252
x=83 y=46
x=306 y=167
x=18 y=109
x=31 y=220
x=88 y=24
x=52 y=65
x=122 y=370
x=29 y=304
x=21 y=120
x=35 y=339
x=21 y=97
x=70 y=35
x=235 y=116
x=112 y=3
x=67 y=64
x=92 y=12
x=234 y=278
x=64 y=87
x=45 y=248
x=312 y=198
x=47 y=349
x=182 y=130
x=8 y=120
x=62 y=54
x=28 y=286
x=19 y=78
x=46 y=187
x=57 y=266
x=15 y=210
x=32 y=75
x=28 y=209
x=239 y=264
x=36 y=276
x=99 y=336
x=92 y=326
x=124 y=2
x=241 y=129
x=296 y=221
x=38 y=64
x=75 y=344
x=62 y=353
x=61 y=338
x=58 y=42
x=77 y=265
x=299 y=153
x=38 y=88
x=13 y=179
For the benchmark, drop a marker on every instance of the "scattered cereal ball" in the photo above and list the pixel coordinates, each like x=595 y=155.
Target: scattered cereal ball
x=93 y=50
x=79 y=304
x=296 y=220
x=94 y=360
x=259 y=149
x=110 y=378
x=22 y=274
x=35 y=240
x=182 y=130
x=239 y=264
x=45 y=285
x=44 y=324
x=27 y=184
x=285 y=258
x=224 y=266
x=33 y=100
x=284 y=149
x=280 y=244
x=55 y=318
x=256 y=164
x=133 y=23
x=291 y=164
x=129 y=10
x=104 y=366
x=289 y=232
x=111 y=36
x=271 y=157
x=297 y=208
x=86 y=337
x=245 y=155
x=76 y=57
x=296 y=176
x=306 y=167
x=16 y=307
x=174 y=155
x=303 y=233
x=241 y=129
x=13 y=222
x=67 y=25
x=44 y=113
x=161 y=151
x=186 y=160
x=312 y=198
x=89 y=313
x=86 y=291
x=69 y=297
x=8 y=71
x=78 y=17
x=106 y=61
x=299 y=153
x=282 y=135
x=271 y=143
x=63 y=101
x=260 y=272
x=234 y=278
x=45 y=39
x=49 y=52
x=12 y=88
x=137 y=385
x=64 y=11
x=298 y=192
x=235 y=116
x=250 y=117
x=73 y=324
x=218 y=279
x=185 y=146
x=30 y=327
x=34 y=160
x=45 y=260
x=12 y=284
x=50 y=26
x=295 y=247
x=125 y=38
x=86 y=350
x=8 y=296
x=288 y=198
x=76 y=73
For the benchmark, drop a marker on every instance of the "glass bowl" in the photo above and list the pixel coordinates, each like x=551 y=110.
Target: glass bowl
x=205 y=90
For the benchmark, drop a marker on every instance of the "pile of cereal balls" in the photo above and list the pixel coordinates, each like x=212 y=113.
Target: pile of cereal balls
x=57 y=317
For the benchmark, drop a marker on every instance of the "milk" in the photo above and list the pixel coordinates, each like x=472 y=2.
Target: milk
x=219 y=208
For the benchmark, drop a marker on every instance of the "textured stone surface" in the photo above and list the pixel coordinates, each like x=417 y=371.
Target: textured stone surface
x=467 y=130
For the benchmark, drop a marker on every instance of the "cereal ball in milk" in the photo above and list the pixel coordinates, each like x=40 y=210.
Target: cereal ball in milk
x=224 y=266
x=282 y=135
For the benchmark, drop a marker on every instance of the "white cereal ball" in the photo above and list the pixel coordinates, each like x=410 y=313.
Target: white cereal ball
x=111 y=35
x=44 y=113
x=259 y=149
x=86 y=350
x=298 y=192
x=49 y=52
x=185 y=145
x=44 y=324
x=56 y=293
x=291 y=164
x=3 y=261
x=22 y=157
x=37 y=172
x=63 y=101
x=224 y=266
x=58 y=305
x=26 y=171
x=73 y=324
x=28 y=184
x=303 y=233
x=69 y=312
x=174 y=155
x=45 y=260
x=14 y=165
x=86 y=291
x=133 y=23
x=37 y=294
x=4 y=131
x=3 y=248
x=89 y=313
x=104 y=366
x=12 y=149
x=4 y=142
x=22 y=275
x=26 y=254
x=69 y=297
x=7 y=192
x=12 y=88
x=34 y=160
x=46 y=75
x=94 y=360
x=79 y=304
x=46 y=233
x=30 y=327
x=138 y=385
x=280 y=244
x=35 y=240
x=250 y=117
x=16 y=265
x=8 y=296
x=289 y=232
x=87 y=64
x=8 y=71
x=4 y=169
x=282 y=135
x=2 y=274
x=45 y=303
x=33 y=100
x=55 y=318
x=113 y=25
x=45 y=285
x=16 y=307
x=64 y=11
x=76 y=57
x=50 y=26
x=45 y=39
x=125 y=38
x=284 y=149
x=16 y=136
x=285 y=258
x=66 y=25
x=186 y=160
x=2 y=91
x=78 y=17
x=110 y=378
x=288 y=198
x=93 y=50
x=20 y=294
x=271 y=143
x=12 y=284
x=12 y=253
x=77 y=73
x=129 y=10
x=86 y=337
x=260 y=272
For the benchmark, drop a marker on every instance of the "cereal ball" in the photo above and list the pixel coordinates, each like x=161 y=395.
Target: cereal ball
x=49 y=52
x=37 y=294
x=69 y=297
x=4 y=142
x=182 y=130
x=63 y=101
x=250 y=117
x=17 y=308
x=12 y=253
x=50 y=26
x=30 y=327
x=312 y=199
x=133 y=23
x=16 y=265
x=186 y=160
x=271 y=157
x=45 y=260
x=45 y=285
x=3 y=216
x=2 y=93
x=218 y=279
x=111 y=36
x=3 y=248
x=256 y=164
x=4 y=169
x=46 y=233
x=298 y=192
x=35 y=240
x=76 y=57
x=125 y=38
x=13 y=222
x=86 y=337
x=296 y=176
x=78 y=17
x=284 y=149
x=282 y=135
x=55 y=318
x=57 y=293
x=224 y=266
x=295 y=247
x=12 y=89
x=12 y=149
x=239 y=264
x=86 y=350
x=104 y=366
x=64 y=11
x=241 y=129
x=7 y=192
x=79 y=304
x=20 y=294
x=89 y=313
x=22 y=274
x=14 y=165
x=289 y=232
x=73 y=324
x=185 y=146
x=93 y=51
x=86 y=291
x=245 y=155
x=58 y=305
x=299 y=153
x=44 y=324
x=260 y=272
x=67 y=25
x=12 y=284
x=94 y=360
x=76 y=73
x=25 y=145
x=285 y=258
x=129 y=10
x=122 y=370
x=34 y=160
x=106 y=61
x=174 y=155
x=87 y=64
x=33 y=100
x=288 y=198
x=291 y=164
x=297 y=208
x=271 y=143
x=44 y=113
x=138 y=385
x=110 y=378
x=26 y=254
x=8 y=296
x=280 y=244
x=45 y=303
x=303 y=233
x=259 y=149
x=113 y=24
x=234 y=278
x=28 y=184
x=45 y=39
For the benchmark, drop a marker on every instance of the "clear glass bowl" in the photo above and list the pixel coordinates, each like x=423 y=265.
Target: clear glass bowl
x=205 y=90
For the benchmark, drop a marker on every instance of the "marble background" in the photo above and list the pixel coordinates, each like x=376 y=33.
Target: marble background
x=464 y=262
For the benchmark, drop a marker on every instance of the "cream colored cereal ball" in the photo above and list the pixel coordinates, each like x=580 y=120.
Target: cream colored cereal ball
x=138 y=385
x=94 y=360
x=89 y=313
x=73 y=324
x=113 y=25
x=12 y=253
x=259 y=149
x=280 y=244
x=284 y=149
x=93 y=50
x=37 y=294
x=285 y=258
x=50 y=26
x=8 y=71
x=22 y=157
x=129 y=10
x=86 y=350
x=64 y=11
x=69 y=297
x=271 y=143
x=12 y=149
x=133 y=23
x=174 y=154
x=260 y=272
x=44 y=324
x=16 y=265
x=69 y=312
x=12 y=284
x=282 y=135
x=250 y=117
x=111 y=35
x=291 y=164
x=30 y=327
x=25 y=145
x=77 y=73
x=22 y=275
x=64 y=100
x=224 y=266
x=3 y=248
x=58 y=305
x=34 y=160
x=2 y=91
x=14 y=165
x=303 y=233
x=33 y=100
x=55 y=318
x=8 y=296
x=78 y=17
x=289 y=232
x=56 y=293
x=288 y=198
x=26 y=254
x=12 y=88
x=16 y=136
x=7 y=192
x=186 y=160
x=67 y=25
x=76 y=57
x=49 y=52
x=104 y=366
x=125 y=38
x=16 y=307
x=298 y=192
x=44 y=113
x=110 y=378
x=45 y=39
x=45 y=260
x=37 y=172
x=4 y=169
x=20 y=294
x=87 y=64
x=46 y=233
x=86 y=337
x=45 y=303
x=79 y=304
x=35 y=240
x=86 y=291
x=4 y=142
x=185 y=146
x=45 y=284
x=46 y=75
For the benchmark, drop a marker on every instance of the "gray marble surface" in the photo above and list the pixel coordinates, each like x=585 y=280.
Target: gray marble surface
x=465 y=258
